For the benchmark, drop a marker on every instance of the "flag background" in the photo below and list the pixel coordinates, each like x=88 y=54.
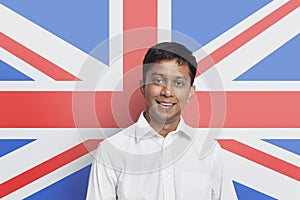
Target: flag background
x=45 y=152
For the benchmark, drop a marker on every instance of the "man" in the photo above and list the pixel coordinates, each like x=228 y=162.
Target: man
x=158 y=157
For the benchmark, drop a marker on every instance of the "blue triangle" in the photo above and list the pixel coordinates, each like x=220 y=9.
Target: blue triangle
x=72 y=187
x=281 y=65
x=8 y=73
x=292 y=145
x=206 y=20
x=245 y=193
x=10 y=145
x=83 y=24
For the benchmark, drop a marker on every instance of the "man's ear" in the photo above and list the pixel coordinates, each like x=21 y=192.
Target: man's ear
x=192 y=92
x=142 y=87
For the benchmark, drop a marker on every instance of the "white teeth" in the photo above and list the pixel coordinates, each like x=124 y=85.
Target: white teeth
x=166 y=104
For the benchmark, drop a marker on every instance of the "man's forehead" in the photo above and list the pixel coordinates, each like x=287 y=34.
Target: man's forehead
x=171 y=61
x=169 y=68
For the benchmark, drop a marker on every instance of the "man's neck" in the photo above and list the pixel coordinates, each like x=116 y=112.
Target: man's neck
x=162 y=129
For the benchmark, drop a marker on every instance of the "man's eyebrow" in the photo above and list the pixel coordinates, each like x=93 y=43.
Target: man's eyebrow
x=181 y=77
x=157 y=74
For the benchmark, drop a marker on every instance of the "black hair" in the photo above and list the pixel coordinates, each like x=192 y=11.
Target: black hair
x=170 y=50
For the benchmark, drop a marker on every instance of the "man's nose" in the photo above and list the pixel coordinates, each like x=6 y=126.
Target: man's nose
x=166 y=91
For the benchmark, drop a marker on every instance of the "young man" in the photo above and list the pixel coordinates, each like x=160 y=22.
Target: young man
x=158 y=157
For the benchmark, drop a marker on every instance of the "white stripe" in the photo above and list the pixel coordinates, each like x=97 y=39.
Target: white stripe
x=51 y=142
x=113 y=75
x=164 y=23
x=63 y=54
x=250 y=54
x=260 y=178
x=41 y=41
x=21 y=66
x=49 y=179
x=272 y=150
x=239 y=28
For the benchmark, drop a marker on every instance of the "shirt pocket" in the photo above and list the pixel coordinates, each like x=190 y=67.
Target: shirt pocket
x=195 y=185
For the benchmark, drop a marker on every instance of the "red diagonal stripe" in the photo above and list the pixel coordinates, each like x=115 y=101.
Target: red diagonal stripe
x=35 y=60
x=261 y=158
x=48 y=166
x=247 y=35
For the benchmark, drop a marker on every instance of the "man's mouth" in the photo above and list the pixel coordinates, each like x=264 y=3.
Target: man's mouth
x=165 y=105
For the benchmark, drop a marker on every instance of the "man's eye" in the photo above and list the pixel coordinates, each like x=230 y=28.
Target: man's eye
x=158 y=81
x=179 y=83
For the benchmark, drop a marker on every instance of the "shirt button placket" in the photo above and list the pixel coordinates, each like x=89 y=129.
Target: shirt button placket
x=169 y=190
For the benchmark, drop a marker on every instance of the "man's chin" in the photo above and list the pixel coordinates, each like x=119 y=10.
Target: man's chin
x=165 y=118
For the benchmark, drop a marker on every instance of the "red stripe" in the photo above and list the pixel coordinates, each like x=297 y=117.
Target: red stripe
x=261 y=158
x=139 y=14
x=140 y=33
x=47 y=167
x=59 y=109
x=247 y=35
x=35 y=60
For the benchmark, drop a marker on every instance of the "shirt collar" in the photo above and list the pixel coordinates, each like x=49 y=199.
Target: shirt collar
x=144 y=130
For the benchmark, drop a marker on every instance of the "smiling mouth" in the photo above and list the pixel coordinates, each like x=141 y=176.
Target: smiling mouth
x=165 y=105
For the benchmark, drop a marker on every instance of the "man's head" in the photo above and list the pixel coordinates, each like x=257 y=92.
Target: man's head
x=168 y=74
x=168 y=51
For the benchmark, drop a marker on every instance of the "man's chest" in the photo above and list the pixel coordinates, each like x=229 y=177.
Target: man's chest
x=184 y=178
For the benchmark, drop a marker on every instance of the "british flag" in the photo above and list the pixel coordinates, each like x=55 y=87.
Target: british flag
x=54 y=108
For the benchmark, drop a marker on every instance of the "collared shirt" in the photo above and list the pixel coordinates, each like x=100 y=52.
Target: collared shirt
x=138 y=163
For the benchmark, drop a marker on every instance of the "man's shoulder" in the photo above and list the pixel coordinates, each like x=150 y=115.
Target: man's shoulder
x=121 y=137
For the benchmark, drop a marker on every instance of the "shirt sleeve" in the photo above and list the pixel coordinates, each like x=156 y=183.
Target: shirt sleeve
x=217 y=174
x=102 y=180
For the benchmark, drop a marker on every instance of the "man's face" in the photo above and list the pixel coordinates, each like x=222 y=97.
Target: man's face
x=167 y=89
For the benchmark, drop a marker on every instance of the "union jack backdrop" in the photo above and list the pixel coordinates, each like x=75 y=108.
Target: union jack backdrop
x=63 y=78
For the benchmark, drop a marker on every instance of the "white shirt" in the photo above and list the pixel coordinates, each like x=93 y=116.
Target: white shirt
x=139 y=164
